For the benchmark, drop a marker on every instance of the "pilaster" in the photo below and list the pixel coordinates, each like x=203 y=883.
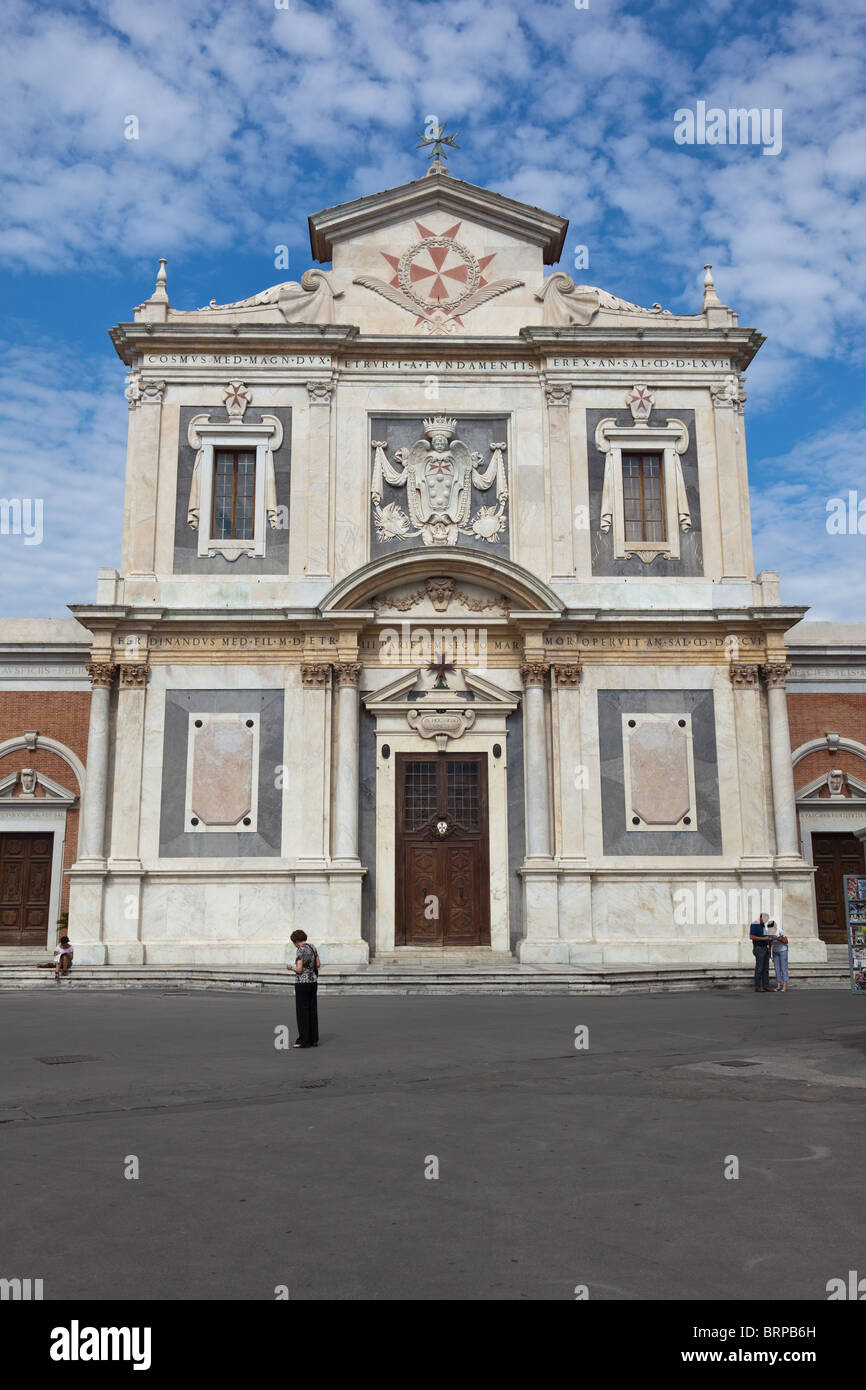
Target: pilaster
x=782 y=773
x=754 y=846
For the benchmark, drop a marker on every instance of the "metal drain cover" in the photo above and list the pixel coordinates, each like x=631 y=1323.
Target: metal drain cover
x=62 y=1061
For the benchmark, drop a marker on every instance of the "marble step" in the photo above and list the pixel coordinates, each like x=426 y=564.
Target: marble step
x=516 y=980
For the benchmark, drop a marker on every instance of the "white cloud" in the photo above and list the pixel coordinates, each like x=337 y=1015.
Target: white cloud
x=246 y=111
x=62 y=446
x=790 y=516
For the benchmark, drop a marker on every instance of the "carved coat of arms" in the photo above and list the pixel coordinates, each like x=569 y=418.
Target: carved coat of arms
x=438 y=473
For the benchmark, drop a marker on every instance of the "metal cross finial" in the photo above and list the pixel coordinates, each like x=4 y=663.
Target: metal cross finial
x=437 y=139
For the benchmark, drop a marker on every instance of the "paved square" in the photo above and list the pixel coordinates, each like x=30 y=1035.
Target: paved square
x=558 y=1167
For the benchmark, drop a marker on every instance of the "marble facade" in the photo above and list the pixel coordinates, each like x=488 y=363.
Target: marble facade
x=439 y=564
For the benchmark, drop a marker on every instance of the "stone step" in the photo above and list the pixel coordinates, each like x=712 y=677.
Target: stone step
x=366 y=980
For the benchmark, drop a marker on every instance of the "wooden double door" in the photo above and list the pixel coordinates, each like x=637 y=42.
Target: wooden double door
x=833 y=855
x=442 y=850
x=25 y=888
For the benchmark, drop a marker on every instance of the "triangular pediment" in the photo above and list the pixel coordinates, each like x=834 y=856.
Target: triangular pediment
x=438 y=257
x=437 y=193
x=416 y=692
x=821 y=790
x=31 y=788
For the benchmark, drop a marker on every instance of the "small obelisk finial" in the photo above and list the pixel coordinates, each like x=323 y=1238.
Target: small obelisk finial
x=710 y=296
x=161 y=290
x=437 y=139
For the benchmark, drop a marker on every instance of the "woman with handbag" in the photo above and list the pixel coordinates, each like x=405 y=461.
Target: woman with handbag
x=306 y=970
x=780 y=958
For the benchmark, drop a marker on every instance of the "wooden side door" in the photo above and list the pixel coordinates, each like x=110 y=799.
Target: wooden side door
x=442 y=854
x=834 y=854
x=25 y=888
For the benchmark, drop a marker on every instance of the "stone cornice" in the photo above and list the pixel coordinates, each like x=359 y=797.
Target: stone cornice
x=740 y=344
x=533 y=343
x=132 y=339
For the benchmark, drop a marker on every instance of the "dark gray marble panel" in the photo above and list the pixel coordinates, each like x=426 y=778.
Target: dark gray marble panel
x=276 y=558
x=177 y=843
x=691 y=561
x=477 y=433
x=367 y=821
x=516 y=823
x=618 y=839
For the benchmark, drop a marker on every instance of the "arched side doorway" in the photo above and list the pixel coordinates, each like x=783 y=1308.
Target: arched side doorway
x=34 y=814
x=832 y=814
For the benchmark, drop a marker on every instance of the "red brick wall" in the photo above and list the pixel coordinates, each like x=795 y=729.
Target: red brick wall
x=814 y=715
x=59 y=714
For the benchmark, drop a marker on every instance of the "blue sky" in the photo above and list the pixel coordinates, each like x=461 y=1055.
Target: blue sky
x=252 y=116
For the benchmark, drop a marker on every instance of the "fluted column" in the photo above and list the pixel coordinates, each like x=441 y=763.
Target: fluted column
x=784 y=796
x=92 y=843
x=534 y=674
x=347 y=674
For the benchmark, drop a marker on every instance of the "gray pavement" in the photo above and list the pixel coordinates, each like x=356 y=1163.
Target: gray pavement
x=557 y=1167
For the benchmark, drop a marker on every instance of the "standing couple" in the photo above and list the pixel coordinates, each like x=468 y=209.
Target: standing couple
x=767 y=938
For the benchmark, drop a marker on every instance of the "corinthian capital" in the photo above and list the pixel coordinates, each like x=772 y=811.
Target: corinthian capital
x=534 y=672
x=316 y=673
x=774 y=673
x=347 y=672
x=101 y=673
x=568 y=674
x=133 y=676
x=743 y=674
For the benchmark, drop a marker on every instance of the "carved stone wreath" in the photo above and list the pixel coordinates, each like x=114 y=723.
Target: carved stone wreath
x=404 y=268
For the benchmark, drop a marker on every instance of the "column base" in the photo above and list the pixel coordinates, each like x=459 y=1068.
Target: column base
x=86 y=898
x=541 y=942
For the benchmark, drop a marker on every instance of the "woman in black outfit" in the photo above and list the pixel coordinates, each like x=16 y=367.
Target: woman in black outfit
x=306 y=969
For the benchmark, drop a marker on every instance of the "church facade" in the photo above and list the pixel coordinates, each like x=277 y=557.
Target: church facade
x=437 y=627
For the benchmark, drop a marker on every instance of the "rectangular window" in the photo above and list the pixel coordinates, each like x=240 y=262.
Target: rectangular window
x=463 y=793
x=234 y=491
x=643 y=497
x=419 y=803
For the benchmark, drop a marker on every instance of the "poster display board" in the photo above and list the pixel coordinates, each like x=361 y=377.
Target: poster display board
x=855 y=918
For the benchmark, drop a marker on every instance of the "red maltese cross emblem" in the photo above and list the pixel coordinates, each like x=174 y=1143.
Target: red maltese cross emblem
x=438 y=279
